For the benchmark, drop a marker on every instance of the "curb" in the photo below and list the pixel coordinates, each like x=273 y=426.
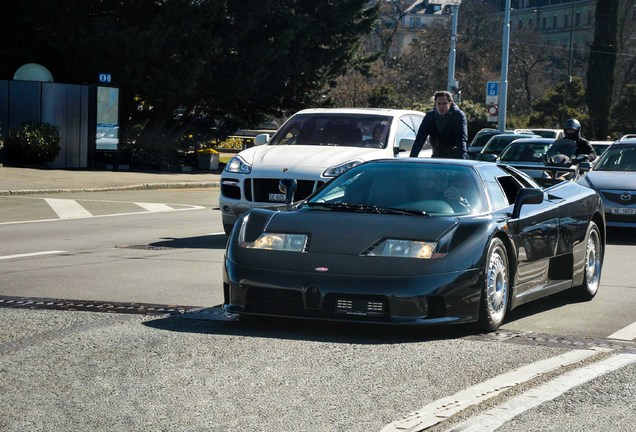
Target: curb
x=113 y=188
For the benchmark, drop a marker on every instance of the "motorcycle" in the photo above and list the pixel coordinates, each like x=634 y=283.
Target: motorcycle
x=573 y=166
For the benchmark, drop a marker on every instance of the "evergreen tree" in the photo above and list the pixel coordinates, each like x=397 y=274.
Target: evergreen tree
x=177 y=61
x=547 y=110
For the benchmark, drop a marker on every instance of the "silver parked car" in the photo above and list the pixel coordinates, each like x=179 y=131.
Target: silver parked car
x=613 y=176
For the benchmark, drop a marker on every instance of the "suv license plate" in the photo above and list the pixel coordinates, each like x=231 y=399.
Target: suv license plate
x=277 y=197
x=623 y=211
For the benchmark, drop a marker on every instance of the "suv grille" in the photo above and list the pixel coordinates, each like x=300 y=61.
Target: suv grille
x=231 y=189
x=615 y=196
x=264 y=187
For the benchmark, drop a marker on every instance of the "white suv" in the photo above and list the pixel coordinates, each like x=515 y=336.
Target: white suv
x=311 y=147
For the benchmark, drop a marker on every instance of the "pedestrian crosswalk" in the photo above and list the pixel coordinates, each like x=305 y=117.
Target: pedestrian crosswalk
x=67 y=208
x=14 y=210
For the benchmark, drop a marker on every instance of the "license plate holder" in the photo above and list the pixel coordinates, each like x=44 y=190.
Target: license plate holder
x=277 y=197
x=360 y=307
x=623 y=211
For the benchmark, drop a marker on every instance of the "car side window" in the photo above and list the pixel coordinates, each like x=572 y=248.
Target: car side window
x=405 y=134
x=498 y=198
x=510 y=187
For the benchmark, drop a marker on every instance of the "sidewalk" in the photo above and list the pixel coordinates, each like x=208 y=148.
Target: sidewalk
x=24 y=181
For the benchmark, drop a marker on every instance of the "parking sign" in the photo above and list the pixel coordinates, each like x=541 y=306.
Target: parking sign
x=492 y=89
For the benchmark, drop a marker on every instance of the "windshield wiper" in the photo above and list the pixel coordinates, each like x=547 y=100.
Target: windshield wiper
x=366 y=208
x=391 y=210
x=344 y=207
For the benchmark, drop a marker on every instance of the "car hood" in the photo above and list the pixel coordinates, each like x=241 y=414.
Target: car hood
x=618 y=180
x=306 y=159
x=353 y=233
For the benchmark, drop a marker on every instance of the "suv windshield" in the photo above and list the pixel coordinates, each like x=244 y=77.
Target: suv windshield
x=617 y=158
x=352 y=130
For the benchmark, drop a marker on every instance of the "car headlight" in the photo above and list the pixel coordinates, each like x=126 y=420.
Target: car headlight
x=336 y=170
x=238 y=165
x=404 y=249
x=277 y=241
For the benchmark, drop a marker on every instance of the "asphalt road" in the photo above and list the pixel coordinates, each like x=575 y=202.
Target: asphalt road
x=203 y=370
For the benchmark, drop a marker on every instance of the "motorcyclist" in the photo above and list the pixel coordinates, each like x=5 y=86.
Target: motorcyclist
x=584 y=150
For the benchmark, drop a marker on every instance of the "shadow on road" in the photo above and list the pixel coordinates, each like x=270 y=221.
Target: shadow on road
x=214 y=241
x=317 y=331
x=544 y=304
x=621 y=236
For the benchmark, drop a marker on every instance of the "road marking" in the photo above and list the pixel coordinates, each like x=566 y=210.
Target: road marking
x=154 y=207
x=52 y=252
x=149 y=207
x=626 y=333
x=67 y=208
x=498 y=416
x=440 y=410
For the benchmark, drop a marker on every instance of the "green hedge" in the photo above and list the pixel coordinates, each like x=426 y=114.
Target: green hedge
x=33 y=143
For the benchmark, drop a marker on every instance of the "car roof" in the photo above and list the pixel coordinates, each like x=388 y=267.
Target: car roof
x=439 y=161
x=375 y=111
x=626 y=139
x=512 y=135
x=537 y=140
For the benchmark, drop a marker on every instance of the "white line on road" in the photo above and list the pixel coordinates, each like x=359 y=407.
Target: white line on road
x=67 y=208
x=498 y=416
x=154 y=207
x=626 y=333
x=52 y=252
x=441 y=409
x=189 y=207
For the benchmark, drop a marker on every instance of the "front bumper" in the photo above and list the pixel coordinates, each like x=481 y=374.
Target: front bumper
x=409 y=300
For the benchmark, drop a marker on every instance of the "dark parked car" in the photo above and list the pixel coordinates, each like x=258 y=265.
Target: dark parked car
x=497 y=143
x=417 y=241
x=480 y=139
x=613 y=176
x=601 y=146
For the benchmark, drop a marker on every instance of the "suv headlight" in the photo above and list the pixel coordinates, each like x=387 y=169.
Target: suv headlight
x=238 y=165
x=336 y=170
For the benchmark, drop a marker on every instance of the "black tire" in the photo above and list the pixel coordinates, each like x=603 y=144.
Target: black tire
x=592 y=264
x=495 y=289
x=227 y=228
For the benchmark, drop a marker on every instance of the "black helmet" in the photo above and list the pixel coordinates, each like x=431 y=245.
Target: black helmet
x=572 y=124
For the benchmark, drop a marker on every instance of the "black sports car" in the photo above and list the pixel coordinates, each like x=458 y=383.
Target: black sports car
x=417 y=241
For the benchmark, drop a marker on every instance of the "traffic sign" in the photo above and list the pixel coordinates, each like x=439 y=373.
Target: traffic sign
x=493 y=113
x=492 y=88
x=492 y=93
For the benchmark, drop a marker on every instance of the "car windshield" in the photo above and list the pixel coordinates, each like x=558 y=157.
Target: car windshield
x=351 y=130
x=403 y=188
x=546 y=133
x=617 y=158
x=524 y=152
x=499 y=142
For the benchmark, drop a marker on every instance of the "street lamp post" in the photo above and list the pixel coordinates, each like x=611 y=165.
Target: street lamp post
x=569 y=79
x=452 y=84
x=503 y=86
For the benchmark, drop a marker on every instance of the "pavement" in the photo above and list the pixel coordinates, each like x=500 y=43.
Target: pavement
x=25 y=181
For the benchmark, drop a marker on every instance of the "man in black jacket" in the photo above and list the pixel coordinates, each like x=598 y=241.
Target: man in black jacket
x=447 y=128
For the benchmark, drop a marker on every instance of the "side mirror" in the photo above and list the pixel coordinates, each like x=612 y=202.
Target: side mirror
x=261 y=139
x=491 y=158
x=288 y=187
x=585 y=166
x=405 y=144
x=526 y=196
